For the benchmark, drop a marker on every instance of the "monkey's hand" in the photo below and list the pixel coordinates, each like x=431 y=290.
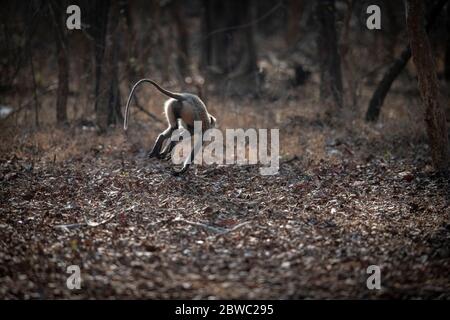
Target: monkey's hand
x=152 y=154
x=177 y=173
x=167 y=157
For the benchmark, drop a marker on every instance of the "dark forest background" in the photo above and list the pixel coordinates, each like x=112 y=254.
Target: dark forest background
x=264 y=50
x=319 y=56
x=364 y=143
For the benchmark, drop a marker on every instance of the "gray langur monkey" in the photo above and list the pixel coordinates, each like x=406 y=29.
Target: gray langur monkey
x=182 y=109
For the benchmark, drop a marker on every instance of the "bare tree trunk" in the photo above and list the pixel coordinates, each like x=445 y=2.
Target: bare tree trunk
x=131 y=52
x=346 y=58
x=182 y=39
x=216 y=36
x=29 y=19
x=63 y=64
x=63 y=84
x=227 y=29
x=377 y=100
x=102 y=8
x=428 y=84
x=447 y=48
x=159 y=38
x=393 y=29
x=295 y=8
x=249 y=15
x=330 y=62
x=106 y=58
x=205 y=42
x=36 y=101
x=247 y=64
x=114 y=112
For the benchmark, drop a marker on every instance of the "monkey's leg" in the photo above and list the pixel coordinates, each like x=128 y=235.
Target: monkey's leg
x=169 y=109
x=165 y=153
x=189 y=159
x=159 y=141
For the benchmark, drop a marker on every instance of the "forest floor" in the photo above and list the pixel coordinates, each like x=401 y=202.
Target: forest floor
x=222 y=231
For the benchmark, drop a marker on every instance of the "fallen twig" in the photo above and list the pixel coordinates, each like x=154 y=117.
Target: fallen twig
x=87 y=223
x=218 y=230
x=202 y=225
x=96 y=224
x=236 y=227
x=67 y=227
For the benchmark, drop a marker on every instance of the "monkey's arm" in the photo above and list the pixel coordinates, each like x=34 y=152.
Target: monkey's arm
x=156 y=150
x=165 y=153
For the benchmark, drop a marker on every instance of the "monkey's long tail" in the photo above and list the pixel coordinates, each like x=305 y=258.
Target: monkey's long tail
x=168 y=93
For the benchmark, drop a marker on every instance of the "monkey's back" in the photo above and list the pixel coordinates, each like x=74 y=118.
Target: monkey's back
x=194 y=110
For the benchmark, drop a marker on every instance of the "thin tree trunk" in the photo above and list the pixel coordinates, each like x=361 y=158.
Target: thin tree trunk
x=247 y=64
x=447 y=48
x=132 y=55
x=377 y=100
x=295 y=9
x=130 y=42
x=217 y=35
x=227 y=29
x=394 y=28
x=36 y=101
x=63 y=85
x=107 y=81
x=114 y=112
x=63 y=63
x=205 y=42
x=99 y=24
x=347 y=63
x=30 y=58
x=102 y=67
x=182 y=39
x=330 y=62
x=160 y=39
x=428 y=85
x=250 y=15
